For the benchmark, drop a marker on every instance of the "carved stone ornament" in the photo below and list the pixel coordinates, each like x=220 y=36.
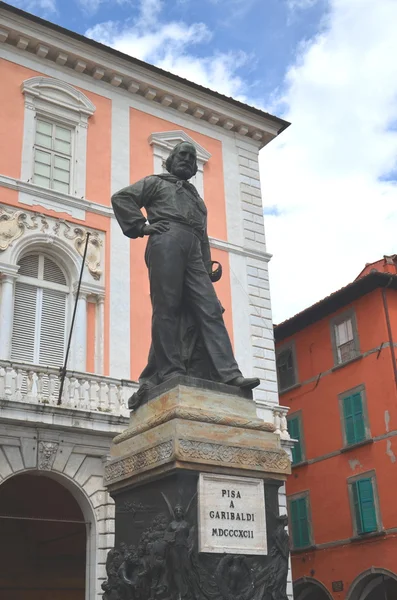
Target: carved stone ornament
x=13 y=226
x=47 y=453
x=165 y=564
x=276 y=461
x=93 y=258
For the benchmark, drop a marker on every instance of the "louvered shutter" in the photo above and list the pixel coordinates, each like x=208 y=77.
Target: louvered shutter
x=53 y=273
x=24 y=325
x=300 y=523
x=367 y=505
x=294 y=431
x=358 y=416
x=52 y=329
x=348 y=418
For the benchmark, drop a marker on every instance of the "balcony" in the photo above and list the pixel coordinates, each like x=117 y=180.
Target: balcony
x=40 y=385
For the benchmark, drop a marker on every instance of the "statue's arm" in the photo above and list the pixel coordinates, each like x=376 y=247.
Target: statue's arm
x=127 y=204
x=214 y=273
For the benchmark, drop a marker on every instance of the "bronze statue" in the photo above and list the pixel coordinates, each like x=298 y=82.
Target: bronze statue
x=187 y=321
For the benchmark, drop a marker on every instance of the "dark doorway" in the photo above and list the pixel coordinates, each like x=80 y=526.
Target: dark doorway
x=42 y=541
x=375 y=586
x=310 y=590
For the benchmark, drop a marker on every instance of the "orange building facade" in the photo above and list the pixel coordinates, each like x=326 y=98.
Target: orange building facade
x=337 y=374
x=79 y=121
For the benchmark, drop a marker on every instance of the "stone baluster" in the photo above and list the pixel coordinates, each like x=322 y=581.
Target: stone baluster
x=284 y=427
x=84 y=403
x=120 y=400
x=52 y=387
x=113 y=404
x=39 y=387
x=9 y=379
x=94 y=388
x=18 y=384
x=277 y=422
x=72 y=392
x=103 y=396
x=29 y=386
x=65 y=392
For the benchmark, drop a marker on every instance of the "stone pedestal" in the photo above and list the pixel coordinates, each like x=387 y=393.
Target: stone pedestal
x=195 y=480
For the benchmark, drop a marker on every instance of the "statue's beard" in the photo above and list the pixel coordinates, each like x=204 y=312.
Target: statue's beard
x=183 y=171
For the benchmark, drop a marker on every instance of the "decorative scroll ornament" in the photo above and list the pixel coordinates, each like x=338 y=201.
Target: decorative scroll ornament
x=13 y=225
x=93 y=258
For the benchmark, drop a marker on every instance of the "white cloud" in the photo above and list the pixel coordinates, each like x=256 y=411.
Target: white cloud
x=169 y=45
x=324 y=174
x=301 y=4
x=41 y=6
x=92 y=6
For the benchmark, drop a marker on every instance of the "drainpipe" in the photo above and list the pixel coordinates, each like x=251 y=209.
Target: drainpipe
x=389 y=331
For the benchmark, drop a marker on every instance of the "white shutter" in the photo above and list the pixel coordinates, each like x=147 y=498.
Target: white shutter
x=29 y=266
x=24 y=325
x=52 y=272
x=52 y=328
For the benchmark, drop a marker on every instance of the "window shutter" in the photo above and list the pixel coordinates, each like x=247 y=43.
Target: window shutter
x=52 y=272
x=357 y=508
x=348 y=419
x=52 y=328
x=358 y=417
x=29 y=266
x=367 y=504
x=300 y=523
x=23 y=332
x=294 y=431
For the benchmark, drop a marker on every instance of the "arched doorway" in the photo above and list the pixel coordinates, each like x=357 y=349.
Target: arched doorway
x=310 y=589
x=376 y=584
x=42 y=540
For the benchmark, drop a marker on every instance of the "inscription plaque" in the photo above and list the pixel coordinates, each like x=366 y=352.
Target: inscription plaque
x=231 y=514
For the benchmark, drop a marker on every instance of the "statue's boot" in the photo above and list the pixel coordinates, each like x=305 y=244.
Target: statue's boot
x=247 y=383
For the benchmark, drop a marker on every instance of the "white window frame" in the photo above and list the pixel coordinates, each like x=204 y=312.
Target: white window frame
x=164 y=142
x=336 y=345
x=57 y=102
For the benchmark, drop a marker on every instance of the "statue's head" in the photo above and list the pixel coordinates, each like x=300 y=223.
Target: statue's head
x=182 y=162
x=283 y=520
x=179 y=512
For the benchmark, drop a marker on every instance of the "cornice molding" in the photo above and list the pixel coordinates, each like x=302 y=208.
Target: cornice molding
x=47 y=45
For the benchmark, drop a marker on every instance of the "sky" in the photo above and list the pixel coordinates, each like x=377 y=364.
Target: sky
x=329 y=67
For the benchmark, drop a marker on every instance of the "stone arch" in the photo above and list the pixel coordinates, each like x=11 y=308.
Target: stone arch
x=367 y=582
x=59 y=458
x=306 y=587
x=53 y=246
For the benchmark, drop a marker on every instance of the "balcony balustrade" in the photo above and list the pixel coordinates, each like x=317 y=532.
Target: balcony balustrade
x=85 y=391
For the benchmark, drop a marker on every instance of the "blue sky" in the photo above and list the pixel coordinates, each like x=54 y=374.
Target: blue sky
x=330 y=181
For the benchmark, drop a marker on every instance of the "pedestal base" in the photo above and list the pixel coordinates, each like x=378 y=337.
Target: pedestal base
x=187 y=429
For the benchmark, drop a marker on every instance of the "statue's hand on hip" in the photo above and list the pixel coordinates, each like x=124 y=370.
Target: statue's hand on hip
x=156 y=228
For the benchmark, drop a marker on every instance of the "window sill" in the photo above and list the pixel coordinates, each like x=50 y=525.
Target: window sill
x=304 y=549
x=347 y=362
x=366 y=442
x=301 y=463
x=289 y=389
x=367 y=536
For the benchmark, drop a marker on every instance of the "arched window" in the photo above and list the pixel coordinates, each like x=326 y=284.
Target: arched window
x=40 y=311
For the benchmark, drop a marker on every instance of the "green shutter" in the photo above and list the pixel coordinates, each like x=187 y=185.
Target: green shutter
x=358 y=417
x=364 y=506
x=300 y=523
x=294 y=430
x=354 y=418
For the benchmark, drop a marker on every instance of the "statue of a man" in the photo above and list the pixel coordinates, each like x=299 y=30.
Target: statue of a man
x=180 y=270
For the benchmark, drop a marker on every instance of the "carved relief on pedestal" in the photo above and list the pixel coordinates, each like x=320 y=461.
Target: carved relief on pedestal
x=14 y=224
